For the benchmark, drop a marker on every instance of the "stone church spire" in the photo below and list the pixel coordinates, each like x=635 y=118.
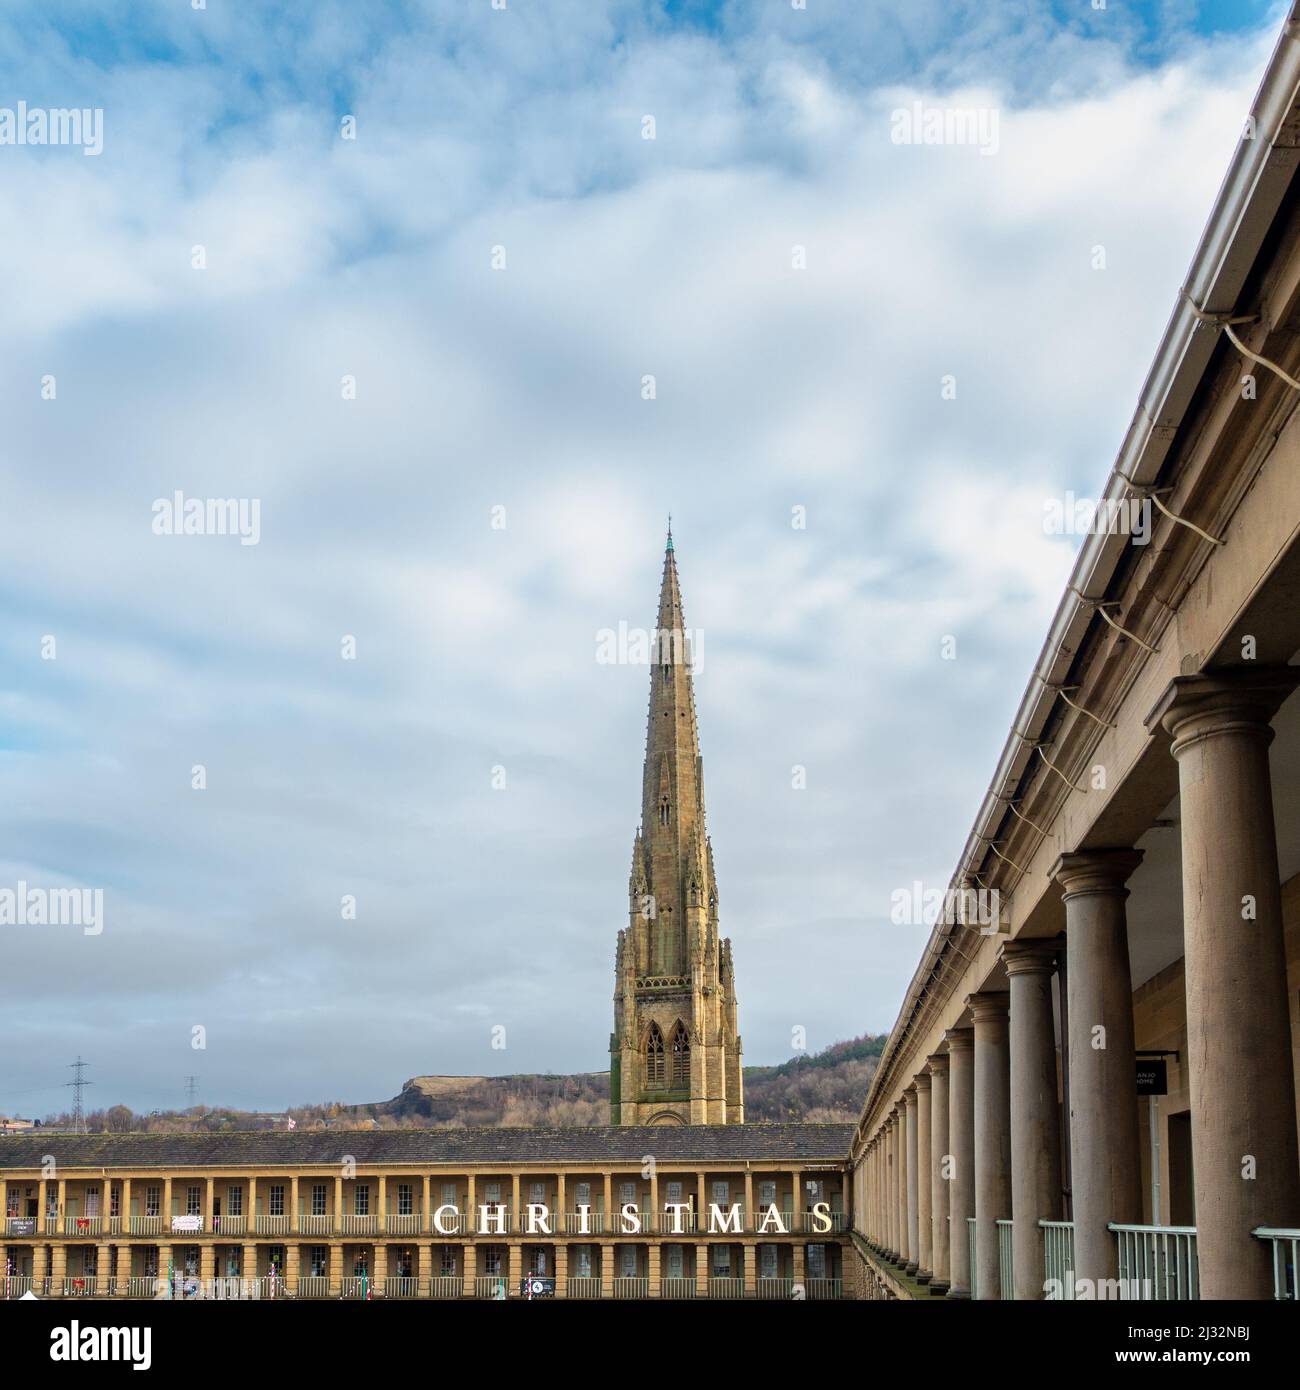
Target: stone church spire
x=675 y=1054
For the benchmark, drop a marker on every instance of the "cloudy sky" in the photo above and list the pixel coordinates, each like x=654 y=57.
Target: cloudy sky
x=498 y=260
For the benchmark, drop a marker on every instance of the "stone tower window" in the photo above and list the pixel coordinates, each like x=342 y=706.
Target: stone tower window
x=681 y=1056
x=663 y=810
x=654 y=1057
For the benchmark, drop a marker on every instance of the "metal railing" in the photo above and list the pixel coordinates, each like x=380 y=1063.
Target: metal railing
x=726 y=1286
x=80 y=1286
x=445 y=1286
x=491 y=1286
x=1058 y=1258
x=676 y=1286
x=81 y=1225
x=1286 y=1254
x=404 y=1224
x=584 y=1286
x=401 y=1286
x=271 y=1286
x=453 y=1223
x=15 y=1285
x=313 y=1286
x=229 y=1288
x=772 y=1287
x=676 y=1223
x=595 y=1223
x=320 y=1224
x=146 y=1225
x=824 y=1288
x=630 y=1286
x=271 y=1225
x=229 y=1225
x=1157 y=1263
x=144 y=1285
x=360 y=1225
x=1006 y=1279
x=357 y=1286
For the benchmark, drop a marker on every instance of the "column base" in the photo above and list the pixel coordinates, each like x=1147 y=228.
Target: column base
x=910 y=1268
x=923 y=1276
x=958 y=1293
x=938 y=1287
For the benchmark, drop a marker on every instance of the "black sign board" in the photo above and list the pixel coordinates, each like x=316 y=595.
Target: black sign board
x=1152 y=1076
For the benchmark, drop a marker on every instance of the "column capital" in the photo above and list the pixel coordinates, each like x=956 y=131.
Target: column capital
x=909 y=1093
x=989 y=1005
x=1095 y=871
x=1037 y=956
x=936 y=1063
x=1192 y=708
x=959 y=1040
x=921 y=1082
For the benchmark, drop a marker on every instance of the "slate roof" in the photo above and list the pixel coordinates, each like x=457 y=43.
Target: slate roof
x=818 y=1143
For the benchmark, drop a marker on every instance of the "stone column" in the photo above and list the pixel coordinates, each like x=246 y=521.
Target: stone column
x=1035 y=1113
x=891 y=1192
x=1238 y=1034
x=939 y=1152
x=900 y=1185
x=749 y=1256
x=336 y=1271
x=561 y=1268
x=961 y=1144
x=103 y=1267
x=1104 y=1164
x=992 y=1137
x=911 y=1157
x=924 y=1168
x=607 y=1271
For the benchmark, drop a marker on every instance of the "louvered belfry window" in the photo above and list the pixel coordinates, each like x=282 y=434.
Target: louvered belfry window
x=654 y=1057
x=681 y=1056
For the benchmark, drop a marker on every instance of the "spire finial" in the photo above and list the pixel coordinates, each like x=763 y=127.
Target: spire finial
x=670 y=531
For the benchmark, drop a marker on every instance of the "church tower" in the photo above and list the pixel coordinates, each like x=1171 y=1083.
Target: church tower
x=674 y=1051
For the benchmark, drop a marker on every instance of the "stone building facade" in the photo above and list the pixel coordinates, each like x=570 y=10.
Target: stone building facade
x=675 y=1054
x=742 y=1211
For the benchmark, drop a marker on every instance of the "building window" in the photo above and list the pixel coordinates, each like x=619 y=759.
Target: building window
x=405 y=1205
x=582 y=1262
x=492 y=1259
x=673 y=1254
x=582 y=1194
x=234 y=1201
x=318 y=1259
x=277 y=1200
x=654 y=1057
x=115 y=1201
x=767 y=1194
x=405 y=1263
x=537 y=1192
x=274 y=1260
x=152 y=1201
x=447 y=1264
x=663 y=810
x=817 y=1262
x=492 y=1194
x=767 y=1261
x=362 y=1196
x=449 y=1194
x=674 y=1190
x=722 y=1261
x=681 y=1056
x=627 y=1261
x=193 y=1201
x=318 y=1199
x=627 y=1193
x=721 y=1193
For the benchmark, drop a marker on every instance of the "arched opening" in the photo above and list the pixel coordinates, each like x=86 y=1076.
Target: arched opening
x=654 y=1057
x=681 y=1055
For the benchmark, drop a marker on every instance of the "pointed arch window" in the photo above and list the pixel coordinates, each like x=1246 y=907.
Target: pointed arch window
x=681 y=1054
x=663 y=809
x=654 y=1057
